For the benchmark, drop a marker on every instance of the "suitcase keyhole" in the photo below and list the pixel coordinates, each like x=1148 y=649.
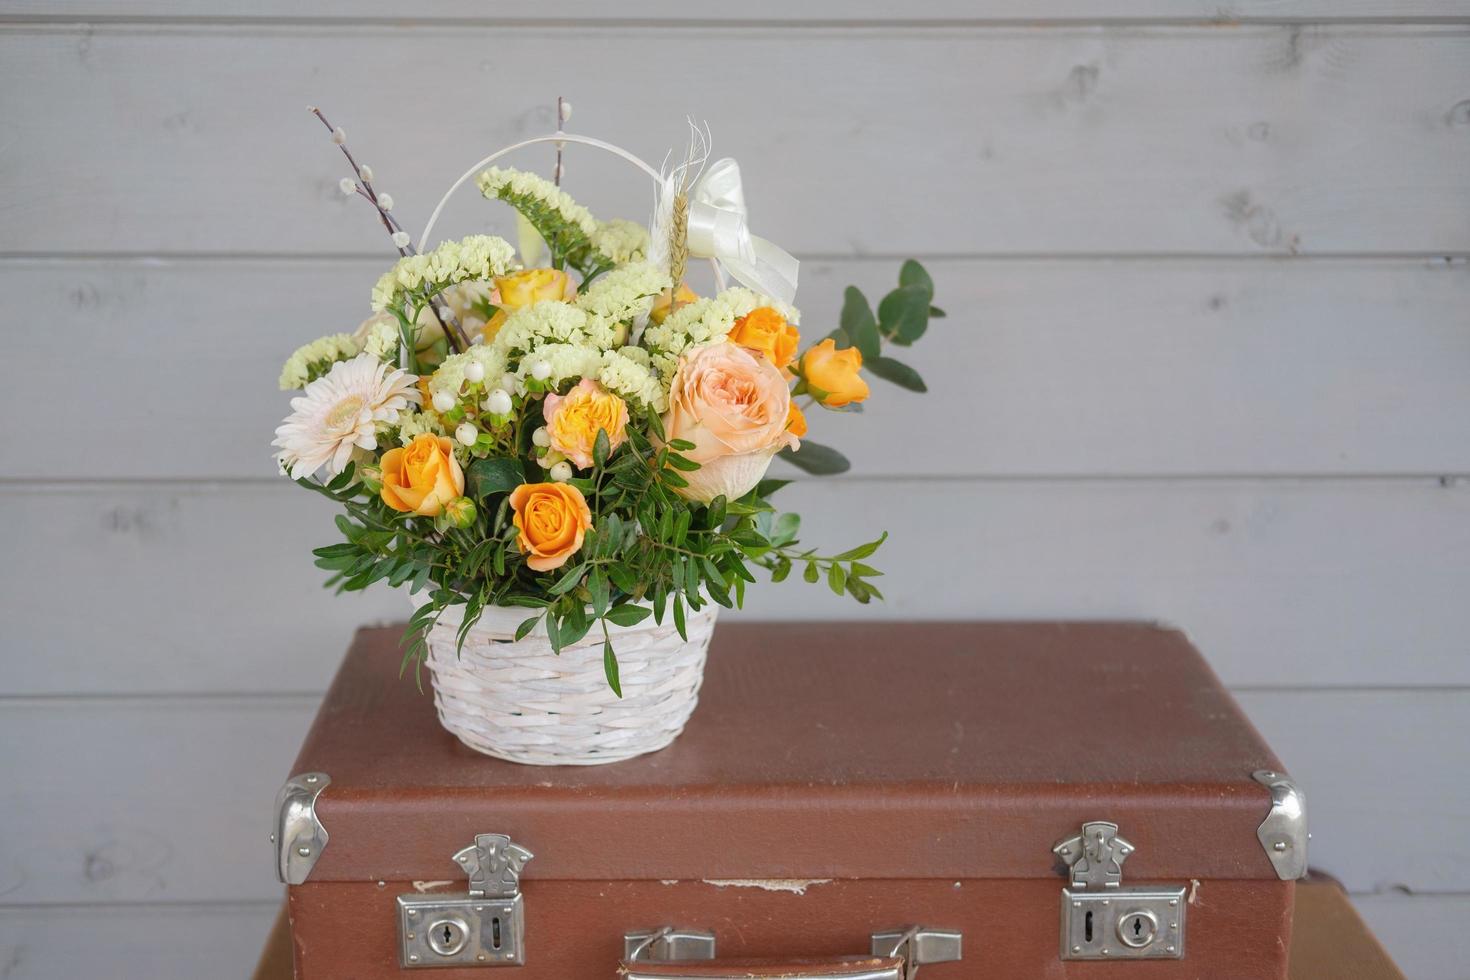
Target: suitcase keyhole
x=1087 y=927
x=448 y=936
x=1137 y=928
x=495 y=932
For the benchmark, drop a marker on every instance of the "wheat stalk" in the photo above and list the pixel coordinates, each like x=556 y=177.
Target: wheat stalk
x=679 y=240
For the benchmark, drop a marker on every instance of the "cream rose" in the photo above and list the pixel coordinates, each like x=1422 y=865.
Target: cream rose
x=733 y=405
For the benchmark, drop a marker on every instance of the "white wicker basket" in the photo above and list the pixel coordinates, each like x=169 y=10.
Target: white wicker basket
x=519 y=700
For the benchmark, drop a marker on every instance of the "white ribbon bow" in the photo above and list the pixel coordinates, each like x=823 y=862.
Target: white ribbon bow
x=718 y=229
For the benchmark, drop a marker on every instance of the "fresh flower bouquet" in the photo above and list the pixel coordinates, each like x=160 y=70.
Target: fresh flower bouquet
x=569 y=431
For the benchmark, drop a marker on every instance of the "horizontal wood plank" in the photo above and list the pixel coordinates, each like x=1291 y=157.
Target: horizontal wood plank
x=1425 y=934
x=749 y=11
x=135 y=942
x=948 y=140
x=189 y=778
x=1055 y=368
x=165 y=587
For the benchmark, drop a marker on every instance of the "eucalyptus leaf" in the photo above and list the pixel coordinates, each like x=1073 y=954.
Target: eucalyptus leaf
x=817 y=459
x=896 y=371
x=485 y=477
x=858 y=323
x=904 y=314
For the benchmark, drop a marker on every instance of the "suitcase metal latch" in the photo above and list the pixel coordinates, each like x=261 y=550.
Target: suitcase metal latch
x=484 y=927
x=1103 y=919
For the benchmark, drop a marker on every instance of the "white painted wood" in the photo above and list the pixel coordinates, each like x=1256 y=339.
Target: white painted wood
x=135 y=942
x=162 y=587
x=1009 y=140
x=1110 y=367
x=122 y=800
x=1425 y=934
x=747 y=11
x=1378 y=767
x=189 y=784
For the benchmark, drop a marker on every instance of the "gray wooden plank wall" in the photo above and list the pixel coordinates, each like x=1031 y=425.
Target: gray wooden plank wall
x=1207 y=265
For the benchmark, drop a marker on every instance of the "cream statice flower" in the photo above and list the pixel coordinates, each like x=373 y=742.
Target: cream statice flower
x=379 y=337
x=450 y=375
x=311 y=361
x=546 y=322
x=620 y=240
x=475 y=258
x=566 y=362
x=506 y=183
x=412 y=424
x=624 y=293
x=629 y=372
x=339 y=411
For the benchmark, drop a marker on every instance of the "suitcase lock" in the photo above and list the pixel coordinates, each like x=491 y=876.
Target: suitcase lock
x=1104 y=920
x=484 y=927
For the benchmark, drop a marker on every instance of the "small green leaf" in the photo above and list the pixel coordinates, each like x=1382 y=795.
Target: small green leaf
x=858 y=323
x=911 y=273
x=597 y=587
x=836 y=578
x=863 y=551
x=715 y=515
x=527 y=625
x=782 y=569
x=490 y=476
x=812 y=573
x=600 y=448
x=904 y=314
x=817 y=459
x=935 y=313
x=786 y=528
x=610 y=667
x=765 y=488
x=896 y=371
x=680 y=463
x=681 y=445
x=568 y=581
x=628 y=615
x=679 y=618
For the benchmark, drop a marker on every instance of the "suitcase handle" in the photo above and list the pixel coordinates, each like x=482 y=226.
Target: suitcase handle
x=689 y=954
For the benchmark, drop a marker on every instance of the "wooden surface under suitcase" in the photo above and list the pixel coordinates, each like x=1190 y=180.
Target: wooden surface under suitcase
x=836 y=780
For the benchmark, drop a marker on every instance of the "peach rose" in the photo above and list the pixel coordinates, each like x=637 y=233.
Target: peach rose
x=573 y=420
x=834 y=374
x=765 y=330
x=734 y=406
x=520 y=289
x=421 y=477
x=552 y=519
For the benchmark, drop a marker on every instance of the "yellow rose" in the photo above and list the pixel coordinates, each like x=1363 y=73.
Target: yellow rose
x=834 y=374
x=734 y=406
x=796 y=420
x=552 y=519
x=573 y=419
x=765 y=330
x=421 y=477
x=664 y=305
x=520 y=289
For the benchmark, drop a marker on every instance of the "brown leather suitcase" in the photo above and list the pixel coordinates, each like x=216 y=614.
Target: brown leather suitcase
x=848 y=801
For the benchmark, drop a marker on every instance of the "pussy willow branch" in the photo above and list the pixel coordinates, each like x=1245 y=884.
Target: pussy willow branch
x=364 y=189
x=560 y=122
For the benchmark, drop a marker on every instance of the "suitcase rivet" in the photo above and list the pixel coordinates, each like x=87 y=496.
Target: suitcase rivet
x=1076 y=949
x=1171 y=949
x=413 y=958
x=480 y=957
x=304 y=851
x=1076 y=905
x=413 y=913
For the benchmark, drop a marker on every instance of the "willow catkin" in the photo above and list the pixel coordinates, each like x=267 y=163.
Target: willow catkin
x=679 y=239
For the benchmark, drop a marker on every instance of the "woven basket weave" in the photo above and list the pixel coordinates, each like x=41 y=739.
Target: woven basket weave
x=519 y=700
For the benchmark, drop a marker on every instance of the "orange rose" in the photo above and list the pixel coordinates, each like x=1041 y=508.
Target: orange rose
x=521 y=289
x=664 y=305
x=421 y=477
x=573 y=419
x=834 y=374
x=765 y=330
x=734 y=406
x=552 y=519
x=796 y=420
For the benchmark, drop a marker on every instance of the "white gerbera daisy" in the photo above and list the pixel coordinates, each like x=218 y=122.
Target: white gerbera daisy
x=340 y=410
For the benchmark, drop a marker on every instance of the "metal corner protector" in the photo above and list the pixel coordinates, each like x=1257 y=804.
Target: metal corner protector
x=299 y=836
x=1283 y=833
